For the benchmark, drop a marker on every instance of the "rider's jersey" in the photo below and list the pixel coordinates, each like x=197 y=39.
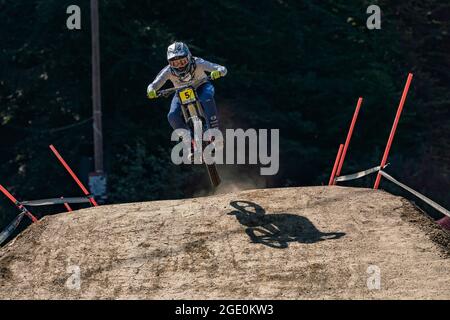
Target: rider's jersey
x=197 y=78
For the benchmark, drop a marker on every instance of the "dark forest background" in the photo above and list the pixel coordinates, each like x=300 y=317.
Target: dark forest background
x=294 y=65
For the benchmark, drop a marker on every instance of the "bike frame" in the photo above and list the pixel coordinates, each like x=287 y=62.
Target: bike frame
x=194 y=117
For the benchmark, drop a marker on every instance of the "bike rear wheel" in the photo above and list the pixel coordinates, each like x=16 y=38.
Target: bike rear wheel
x=213 y=175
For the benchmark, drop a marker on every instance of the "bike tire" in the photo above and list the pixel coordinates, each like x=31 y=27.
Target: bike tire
x=213 y=175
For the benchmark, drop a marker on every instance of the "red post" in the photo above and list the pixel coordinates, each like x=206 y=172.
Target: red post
x=82 y=187
x=336 y=162
x=349 y=137
x=17 y=203
x=444 y=222
x=394 y=128
x=68 y=208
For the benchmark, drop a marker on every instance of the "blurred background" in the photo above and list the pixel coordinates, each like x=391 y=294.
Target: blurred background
x=298 y=66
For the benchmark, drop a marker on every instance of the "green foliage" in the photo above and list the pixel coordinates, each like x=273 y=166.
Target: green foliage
x=139 y=175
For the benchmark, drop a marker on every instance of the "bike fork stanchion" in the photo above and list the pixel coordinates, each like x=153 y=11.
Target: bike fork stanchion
x=72 y=174
x=336 y=163
x=394 y=128
x=349 y=137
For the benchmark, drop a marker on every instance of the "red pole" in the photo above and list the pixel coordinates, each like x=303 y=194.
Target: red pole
x=17 y=203
x=336 y=162
x=64 y=163
x=349 y=137
x=444 y=222
x=394 y=128
x=68 y=208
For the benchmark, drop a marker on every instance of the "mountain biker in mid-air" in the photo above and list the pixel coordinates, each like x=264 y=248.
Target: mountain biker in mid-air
x=185 y=69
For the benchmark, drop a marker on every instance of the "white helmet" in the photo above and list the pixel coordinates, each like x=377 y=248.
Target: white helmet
x=180 y=59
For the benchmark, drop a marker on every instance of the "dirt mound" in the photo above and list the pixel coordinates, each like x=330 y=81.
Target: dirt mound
x=315 y=242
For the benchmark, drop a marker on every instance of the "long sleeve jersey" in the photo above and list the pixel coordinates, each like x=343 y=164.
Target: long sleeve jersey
x=201 y=66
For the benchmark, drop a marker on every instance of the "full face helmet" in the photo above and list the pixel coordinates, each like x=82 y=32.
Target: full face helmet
x=180 y=59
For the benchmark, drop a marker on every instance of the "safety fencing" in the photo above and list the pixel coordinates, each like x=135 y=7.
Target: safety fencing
x=379 y=170
x=5 y=234
x=22 y=205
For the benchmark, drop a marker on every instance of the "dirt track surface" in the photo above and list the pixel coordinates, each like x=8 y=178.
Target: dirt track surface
x=293 y=243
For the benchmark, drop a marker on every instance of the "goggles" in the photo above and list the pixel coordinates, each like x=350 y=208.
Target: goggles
x=179 y=63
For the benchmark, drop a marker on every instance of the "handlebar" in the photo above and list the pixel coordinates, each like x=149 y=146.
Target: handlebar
x=167 y=92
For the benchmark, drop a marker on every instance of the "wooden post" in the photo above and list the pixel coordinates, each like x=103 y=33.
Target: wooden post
x=96 y=91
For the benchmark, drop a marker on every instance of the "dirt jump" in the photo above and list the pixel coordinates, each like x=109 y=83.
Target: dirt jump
x=290 y=243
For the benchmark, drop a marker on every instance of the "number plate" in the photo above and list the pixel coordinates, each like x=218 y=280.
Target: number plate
x=187 y=95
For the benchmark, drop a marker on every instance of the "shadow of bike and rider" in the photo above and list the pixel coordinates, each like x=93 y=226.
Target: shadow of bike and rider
x=277 y=230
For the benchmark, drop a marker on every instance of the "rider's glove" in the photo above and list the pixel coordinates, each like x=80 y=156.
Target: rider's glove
x=215 y=74
x=152 y=94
